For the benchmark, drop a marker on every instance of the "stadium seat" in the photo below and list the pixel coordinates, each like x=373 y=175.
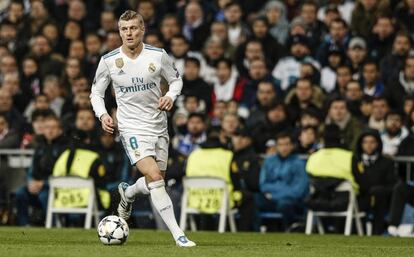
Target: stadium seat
x=350 y=213
x=210 y=183
x=91 y=209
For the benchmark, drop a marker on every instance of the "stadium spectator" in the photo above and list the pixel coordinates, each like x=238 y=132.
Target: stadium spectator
x=275 y=12
x=266 y=95
x=195 y=28
x=287 y=69
x=342 y=7
x=302 y=96
x=276 y=121
x=9 y=138
x=393 y=133
x=43 y=54
x=380 y=110
x=195 y=136
x=194 y=85
x=228 y=85
x=169 y=28
x=108 y=23
x=272 y=48
x=147 y=9
x=11 y=83
x=343 y=76
x=17 y=121
x=212 y=52
x=402 y=85
x=283 y=180
x=375 y=176
x=338 y=35
x=336 y=57
x=258 y=72
x=356 y=53
x=364 y=15
x=404 y=14
x=381 y=40
x=237 y=30
x=53 y=93
x=315 y=29
x=372 y=85
x=30 y=78
x=35 y=193
x=353 y=96
x=394 y=61
x=308 y=140
x=229 y=124
x=350 y=127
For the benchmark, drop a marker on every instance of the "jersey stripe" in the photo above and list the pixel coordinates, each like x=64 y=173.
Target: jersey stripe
x=150 y=47
x=114 y=52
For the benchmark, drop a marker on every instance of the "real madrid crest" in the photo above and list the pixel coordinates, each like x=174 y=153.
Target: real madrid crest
x=119 y=63
x=151 y=68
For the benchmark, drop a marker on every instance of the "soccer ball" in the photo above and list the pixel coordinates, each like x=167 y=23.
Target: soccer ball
x=113 y=230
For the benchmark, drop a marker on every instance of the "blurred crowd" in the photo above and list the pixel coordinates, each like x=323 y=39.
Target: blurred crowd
x=265 y=80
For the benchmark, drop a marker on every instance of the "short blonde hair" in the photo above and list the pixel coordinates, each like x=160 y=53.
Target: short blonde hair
x=129 y=15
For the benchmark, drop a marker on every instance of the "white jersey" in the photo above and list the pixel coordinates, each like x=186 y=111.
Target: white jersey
x=136 y=83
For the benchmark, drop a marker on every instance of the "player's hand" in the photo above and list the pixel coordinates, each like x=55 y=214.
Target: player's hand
x=165 y=103
x=107 y=123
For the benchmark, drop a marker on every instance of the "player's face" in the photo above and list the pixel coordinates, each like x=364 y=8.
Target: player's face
x=132 y=32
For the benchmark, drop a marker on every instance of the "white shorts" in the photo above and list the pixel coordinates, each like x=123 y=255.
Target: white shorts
x=138 y=147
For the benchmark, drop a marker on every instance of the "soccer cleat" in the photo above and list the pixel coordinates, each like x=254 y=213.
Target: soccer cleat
x=183 y=241
x=124 y=206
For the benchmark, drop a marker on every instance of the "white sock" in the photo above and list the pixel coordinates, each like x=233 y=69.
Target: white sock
x=140 y=187
x=162 y=202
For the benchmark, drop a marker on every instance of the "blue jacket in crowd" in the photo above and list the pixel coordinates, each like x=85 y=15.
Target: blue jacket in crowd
x=284 y=178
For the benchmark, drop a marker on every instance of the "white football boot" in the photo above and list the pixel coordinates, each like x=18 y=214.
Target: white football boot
x=183 y=241
x=124 y=206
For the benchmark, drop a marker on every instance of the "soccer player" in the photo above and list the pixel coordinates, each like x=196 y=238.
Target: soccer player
x=135 y=70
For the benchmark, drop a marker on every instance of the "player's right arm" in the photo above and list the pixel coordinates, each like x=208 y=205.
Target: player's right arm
x=99 y=86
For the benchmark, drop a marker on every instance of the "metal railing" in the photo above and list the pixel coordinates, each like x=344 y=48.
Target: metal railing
x=21 y=158
x=17 y=158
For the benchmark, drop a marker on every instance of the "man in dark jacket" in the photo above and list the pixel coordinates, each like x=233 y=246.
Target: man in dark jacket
x=401 y=86
x=194 y=85
x=276 y=121
x=245 y=172
x=374 y=173
x=36 y=190
x=392 y=63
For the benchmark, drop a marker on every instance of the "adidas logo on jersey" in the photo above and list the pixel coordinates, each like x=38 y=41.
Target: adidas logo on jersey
x=121 y=72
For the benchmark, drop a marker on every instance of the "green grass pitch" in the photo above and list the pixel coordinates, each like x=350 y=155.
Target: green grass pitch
x=32 y=242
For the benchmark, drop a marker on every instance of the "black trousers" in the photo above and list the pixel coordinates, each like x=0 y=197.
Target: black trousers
x=378 y=205
x=402 y=194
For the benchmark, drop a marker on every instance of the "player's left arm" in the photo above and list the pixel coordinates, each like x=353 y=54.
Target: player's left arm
x=172 y=76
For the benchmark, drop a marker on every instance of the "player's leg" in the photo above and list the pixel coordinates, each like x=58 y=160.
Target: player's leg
x=161 y=200
x=128 y=193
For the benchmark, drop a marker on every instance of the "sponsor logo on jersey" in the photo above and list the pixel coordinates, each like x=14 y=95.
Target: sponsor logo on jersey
x=138 y=85
x=119 y=62
x=151 y=67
